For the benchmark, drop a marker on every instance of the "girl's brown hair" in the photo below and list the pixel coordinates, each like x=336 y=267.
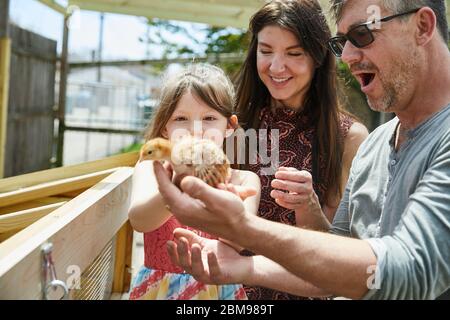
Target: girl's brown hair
x=305 y=19
x=207 y=82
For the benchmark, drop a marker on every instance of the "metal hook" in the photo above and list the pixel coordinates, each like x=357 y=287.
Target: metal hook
x=48 y=268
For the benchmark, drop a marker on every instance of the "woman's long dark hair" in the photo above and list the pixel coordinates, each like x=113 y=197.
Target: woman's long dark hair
x=305 y=19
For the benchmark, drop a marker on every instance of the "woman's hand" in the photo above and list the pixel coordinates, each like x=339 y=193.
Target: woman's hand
x=298 y=194
x=296 y=186
x=209 y=261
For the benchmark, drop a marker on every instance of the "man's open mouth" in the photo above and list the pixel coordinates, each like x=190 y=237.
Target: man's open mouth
x=365 y=78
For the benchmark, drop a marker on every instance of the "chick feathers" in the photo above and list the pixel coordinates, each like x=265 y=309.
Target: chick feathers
x=201 y=158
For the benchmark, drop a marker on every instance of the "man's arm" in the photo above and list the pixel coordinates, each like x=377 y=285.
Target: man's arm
x=212 y=261
x=335 y=264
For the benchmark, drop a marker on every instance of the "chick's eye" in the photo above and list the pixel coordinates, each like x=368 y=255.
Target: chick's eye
x=150 y=152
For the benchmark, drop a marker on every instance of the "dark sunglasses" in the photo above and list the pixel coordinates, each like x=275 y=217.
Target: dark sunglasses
x=360 y=35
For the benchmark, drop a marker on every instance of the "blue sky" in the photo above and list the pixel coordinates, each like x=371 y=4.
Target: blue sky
x=121 y=32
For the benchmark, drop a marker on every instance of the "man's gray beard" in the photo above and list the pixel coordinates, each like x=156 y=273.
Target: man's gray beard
x=395 y=88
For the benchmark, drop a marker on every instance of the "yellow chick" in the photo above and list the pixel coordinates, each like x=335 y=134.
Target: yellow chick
x=201 y=158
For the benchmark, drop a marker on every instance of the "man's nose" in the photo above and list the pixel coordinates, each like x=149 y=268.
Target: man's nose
x=350 y=53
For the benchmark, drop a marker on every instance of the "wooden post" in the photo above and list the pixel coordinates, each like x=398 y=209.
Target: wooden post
x=122 y=265
x=5 y=57
x=63 y=74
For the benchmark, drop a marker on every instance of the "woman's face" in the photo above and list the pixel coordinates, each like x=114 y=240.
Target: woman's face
x=283 y=66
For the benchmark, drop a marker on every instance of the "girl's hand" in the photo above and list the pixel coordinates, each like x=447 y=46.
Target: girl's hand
x=243 y=192
x=295 y=188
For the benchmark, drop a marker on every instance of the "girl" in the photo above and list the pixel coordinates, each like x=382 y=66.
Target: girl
x=197 y=101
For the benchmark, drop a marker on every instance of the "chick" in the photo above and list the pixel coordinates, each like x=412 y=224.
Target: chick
x=201 y=158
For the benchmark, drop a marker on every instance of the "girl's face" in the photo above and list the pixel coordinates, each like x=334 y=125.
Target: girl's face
x=194 y=117
x=283 y=66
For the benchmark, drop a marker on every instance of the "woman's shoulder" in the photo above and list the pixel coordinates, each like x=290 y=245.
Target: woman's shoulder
x=350 y=127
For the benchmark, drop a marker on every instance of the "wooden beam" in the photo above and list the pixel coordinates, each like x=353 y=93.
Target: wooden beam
x=122 y=263
x=206 y=13
x=34 y=204
x=55 y=6
x=5 y=58
x=53 y=188
x=22 y=219
x=62 y=98
x=31 y=179
x=79 y=231
x=223 y=57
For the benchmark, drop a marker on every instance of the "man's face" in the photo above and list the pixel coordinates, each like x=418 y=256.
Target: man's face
x=385 y=68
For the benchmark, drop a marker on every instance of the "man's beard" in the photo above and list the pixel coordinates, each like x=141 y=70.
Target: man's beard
x=395 y=85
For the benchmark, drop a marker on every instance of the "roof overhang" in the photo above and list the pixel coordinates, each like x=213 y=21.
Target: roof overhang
x=220 y=13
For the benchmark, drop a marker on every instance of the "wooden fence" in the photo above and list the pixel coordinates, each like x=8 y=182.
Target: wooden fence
x=31 y=101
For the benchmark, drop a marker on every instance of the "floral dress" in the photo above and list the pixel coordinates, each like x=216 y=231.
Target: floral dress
x=159 y=279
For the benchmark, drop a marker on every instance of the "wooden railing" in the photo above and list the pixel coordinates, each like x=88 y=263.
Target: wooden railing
x=82 y=211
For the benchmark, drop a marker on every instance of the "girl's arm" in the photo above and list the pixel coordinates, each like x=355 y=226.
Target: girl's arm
x=245 y=181
x=147 y=211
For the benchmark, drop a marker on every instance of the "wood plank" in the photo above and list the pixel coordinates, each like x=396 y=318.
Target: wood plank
x=22 y=219
x=33 y=204
x=5 y=59
x=122 y=268
x=79 y=231
x=73 y=194
x=30 y=179
x=53 y=188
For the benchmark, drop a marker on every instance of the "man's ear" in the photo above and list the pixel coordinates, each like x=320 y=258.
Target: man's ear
x=426 y=25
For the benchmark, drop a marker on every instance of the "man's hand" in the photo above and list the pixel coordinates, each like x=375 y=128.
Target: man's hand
x=209 y=261
x=200 y=206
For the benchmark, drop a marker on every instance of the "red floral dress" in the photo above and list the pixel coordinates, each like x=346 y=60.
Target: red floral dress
x=296 y=136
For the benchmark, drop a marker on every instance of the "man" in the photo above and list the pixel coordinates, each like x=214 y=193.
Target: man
x=390 y=238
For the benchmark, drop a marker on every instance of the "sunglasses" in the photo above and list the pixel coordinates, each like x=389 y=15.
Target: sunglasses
x=360 y=35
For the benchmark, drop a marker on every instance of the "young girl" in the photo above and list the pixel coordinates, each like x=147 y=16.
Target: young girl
x=197 y=101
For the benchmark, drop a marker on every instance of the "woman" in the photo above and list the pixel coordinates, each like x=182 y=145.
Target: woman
x=288 y=83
